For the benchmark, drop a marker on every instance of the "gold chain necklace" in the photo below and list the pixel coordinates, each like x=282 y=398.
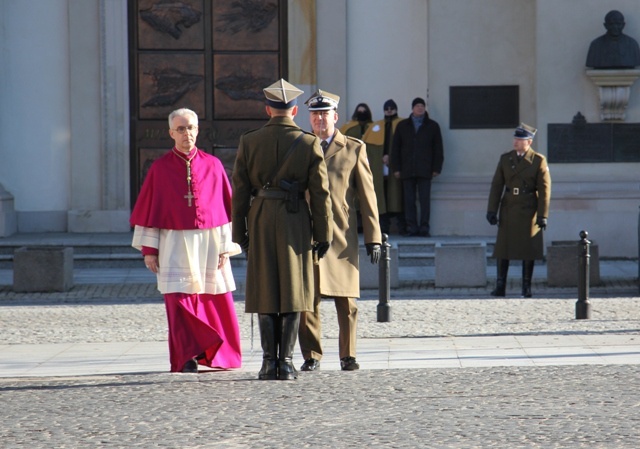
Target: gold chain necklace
x=189 y=196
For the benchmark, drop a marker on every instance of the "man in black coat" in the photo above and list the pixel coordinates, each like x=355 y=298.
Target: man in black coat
x=417 y=156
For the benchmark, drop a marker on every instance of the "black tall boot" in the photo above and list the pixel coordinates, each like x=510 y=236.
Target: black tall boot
x=502 y=266
x=527 y=274
x=289 y=323
x=269 y=339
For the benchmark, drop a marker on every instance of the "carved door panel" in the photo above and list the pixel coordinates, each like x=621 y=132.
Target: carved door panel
x=211 y=56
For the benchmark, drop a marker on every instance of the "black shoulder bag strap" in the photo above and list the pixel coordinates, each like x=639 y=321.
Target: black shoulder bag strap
x=277 y=170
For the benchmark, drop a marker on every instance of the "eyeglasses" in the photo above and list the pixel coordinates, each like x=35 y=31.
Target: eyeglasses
x=184 y=129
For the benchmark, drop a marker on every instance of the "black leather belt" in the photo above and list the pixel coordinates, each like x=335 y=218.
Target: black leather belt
x=518 y=191
x=273 y=194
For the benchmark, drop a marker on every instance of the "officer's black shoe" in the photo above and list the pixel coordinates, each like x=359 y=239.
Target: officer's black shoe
x=310 y=365
x=349 y=364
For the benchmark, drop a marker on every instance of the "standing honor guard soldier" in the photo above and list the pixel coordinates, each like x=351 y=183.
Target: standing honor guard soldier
x=277 y=228
x=521 y=191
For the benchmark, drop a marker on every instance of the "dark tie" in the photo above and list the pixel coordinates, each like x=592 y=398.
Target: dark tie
x=324 y=144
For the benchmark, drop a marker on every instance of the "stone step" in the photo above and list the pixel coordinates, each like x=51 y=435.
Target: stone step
x=105 y=251
x=105 y=260
x=84 y=256
x=422 y=253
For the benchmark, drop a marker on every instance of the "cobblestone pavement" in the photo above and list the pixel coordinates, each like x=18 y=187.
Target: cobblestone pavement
x=581 y=406
x=550 y=407
x=136 y=313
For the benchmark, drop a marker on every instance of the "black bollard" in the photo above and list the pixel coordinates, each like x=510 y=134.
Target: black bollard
x=384 y=287
x=583 y=307
x=639 y=252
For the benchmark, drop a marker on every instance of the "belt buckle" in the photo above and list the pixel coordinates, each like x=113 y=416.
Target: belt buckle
x=516 y=191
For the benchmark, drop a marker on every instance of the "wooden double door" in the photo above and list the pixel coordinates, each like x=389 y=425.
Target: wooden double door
x=211 y=56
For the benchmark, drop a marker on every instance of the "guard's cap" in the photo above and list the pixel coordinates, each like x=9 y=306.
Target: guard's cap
x=322 y=101
x=282 y=95
x=524 y=132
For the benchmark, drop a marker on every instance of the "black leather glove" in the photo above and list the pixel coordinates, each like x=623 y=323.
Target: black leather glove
x=492 y=218
x=374 y=250
x=542 y=223
x=321 y=248
x=244 y=244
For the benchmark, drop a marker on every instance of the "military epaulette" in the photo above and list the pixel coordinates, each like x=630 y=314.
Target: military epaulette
x=536 y=154
x=355 y=139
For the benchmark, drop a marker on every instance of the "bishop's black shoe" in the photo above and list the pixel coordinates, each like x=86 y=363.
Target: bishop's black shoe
x=190 y=367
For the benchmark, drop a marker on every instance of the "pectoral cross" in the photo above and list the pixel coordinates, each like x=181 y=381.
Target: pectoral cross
x=189 y=196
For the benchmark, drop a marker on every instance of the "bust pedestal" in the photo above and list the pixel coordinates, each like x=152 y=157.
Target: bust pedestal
x=614 y=88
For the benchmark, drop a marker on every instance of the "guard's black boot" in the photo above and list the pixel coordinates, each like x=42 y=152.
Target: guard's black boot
x=502 y=266
x=269 y=340
x=289 y=323
x=527 y=274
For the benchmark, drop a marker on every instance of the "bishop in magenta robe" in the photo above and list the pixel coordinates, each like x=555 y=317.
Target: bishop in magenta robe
x=182 y=225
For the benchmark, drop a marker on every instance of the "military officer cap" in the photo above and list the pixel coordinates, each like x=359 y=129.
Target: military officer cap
x=282 y=95
x=524 y=132
x=322 y=101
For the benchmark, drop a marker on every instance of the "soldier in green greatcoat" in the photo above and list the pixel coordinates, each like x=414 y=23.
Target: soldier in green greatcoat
x=519 y=205
x=277 y=228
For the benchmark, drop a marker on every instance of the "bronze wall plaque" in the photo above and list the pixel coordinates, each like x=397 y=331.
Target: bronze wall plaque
x=248 y=25
x=170 y=25
x=626 y=142
x=168 y=81
x=238 y=80
x=593 y=142
x=484 y=107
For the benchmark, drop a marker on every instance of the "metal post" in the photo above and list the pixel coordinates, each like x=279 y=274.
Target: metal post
x=384 y=287
x=583 y=307
x=638 y=251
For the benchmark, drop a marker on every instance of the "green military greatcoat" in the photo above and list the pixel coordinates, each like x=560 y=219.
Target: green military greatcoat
x=521 y=191
x=279 y=262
